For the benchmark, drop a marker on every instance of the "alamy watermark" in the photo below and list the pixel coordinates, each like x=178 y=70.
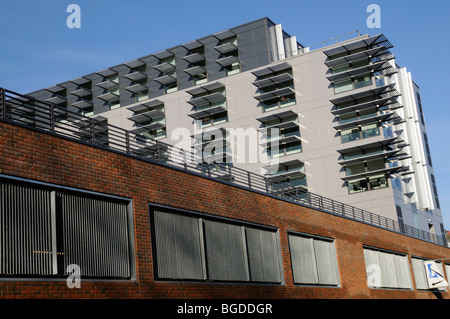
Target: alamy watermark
x=74 y=278
x=374 y=19
x=74 y=19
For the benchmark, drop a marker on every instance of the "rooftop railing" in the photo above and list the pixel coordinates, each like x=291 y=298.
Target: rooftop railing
x=56 y=120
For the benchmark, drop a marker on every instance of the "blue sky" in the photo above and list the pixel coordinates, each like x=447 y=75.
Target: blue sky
x=37 y=49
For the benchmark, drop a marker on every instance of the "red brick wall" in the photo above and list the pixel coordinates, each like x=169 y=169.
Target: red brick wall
x=33 y=155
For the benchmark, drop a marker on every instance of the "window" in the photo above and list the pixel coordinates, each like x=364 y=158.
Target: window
x=285 y=149
x=278 y=103
x=193 y=247
x=214 y=120
x=353 y=83
x=419 y=105
x=427 y=147
x=367 y=183
x=47 y=229
x=435 y=193
x=360 y=132
x=314 y=260
x=387 y=269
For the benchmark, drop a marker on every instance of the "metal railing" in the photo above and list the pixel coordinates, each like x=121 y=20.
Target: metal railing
x=50 y=118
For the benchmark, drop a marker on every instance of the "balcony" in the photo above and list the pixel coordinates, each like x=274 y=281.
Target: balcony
x=364 y=119
x=363 y=70
x=276 y=94
x=377 y=52
x=359 y=45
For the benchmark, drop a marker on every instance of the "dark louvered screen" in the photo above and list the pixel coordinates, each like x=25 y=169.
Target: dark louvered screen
x=94 y=235
x=178 y=247
x=26 y=231
x=225 y=254
x=43 y=230
x=264 y=260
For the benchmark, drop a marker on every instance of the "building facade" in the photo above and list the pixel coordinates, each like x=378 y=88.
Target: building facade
x=343 y=121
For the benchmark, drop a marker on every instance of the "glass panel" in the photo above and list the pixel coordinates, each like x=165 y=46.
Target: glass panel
x=375 y=164
x=355 y=169
x=370 y=130
x=343 y=86
x=351 y=155
x=360 y=63
x=340 y=69
x=378 y=181
x=363 y=81
x=350 y=135
x=232 y=69
x=348 y=117
x=287 y=100
x=369 y=112
x=357 y=186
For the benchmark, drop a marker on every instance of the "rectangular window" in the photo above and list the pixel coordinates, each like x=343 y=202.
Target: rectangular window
x=314 y=260
x=387 y=269
x=352 y=83
x=193 y=247
x=45 y=229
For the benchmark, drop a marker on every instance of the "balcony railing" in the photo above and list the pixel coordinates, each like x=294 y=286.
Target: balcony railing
x=45 y=117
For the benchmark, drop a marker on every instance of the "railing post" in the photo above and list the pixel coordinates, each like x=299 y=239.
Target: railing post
x=249 y=180
x=52 y=118
x=92 y=130
x=184 y=159
x=2 y=103
x=158 y=151
x=127 y=142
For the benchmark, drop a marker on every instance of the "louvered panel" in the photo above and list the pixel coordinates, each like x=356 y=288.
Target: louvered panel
x=402 y=271
x=326 y=260
x=303 y=260
x=94 y=236
x=419 y=273
x=264 y=262
x=26 y=242
x=178 y=246
x=225 y=252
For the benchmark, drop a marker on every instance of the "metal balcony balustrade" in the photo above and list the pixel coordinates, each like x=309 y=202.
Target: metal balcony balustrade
x=52 y=119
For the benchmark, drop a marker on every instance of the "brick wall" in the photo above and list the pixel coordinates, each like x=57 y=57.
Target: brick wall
x=33 y=155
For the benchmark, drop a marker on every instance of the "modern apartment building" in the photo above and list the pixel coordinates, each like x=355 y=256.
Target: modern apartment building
x=343 y=121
